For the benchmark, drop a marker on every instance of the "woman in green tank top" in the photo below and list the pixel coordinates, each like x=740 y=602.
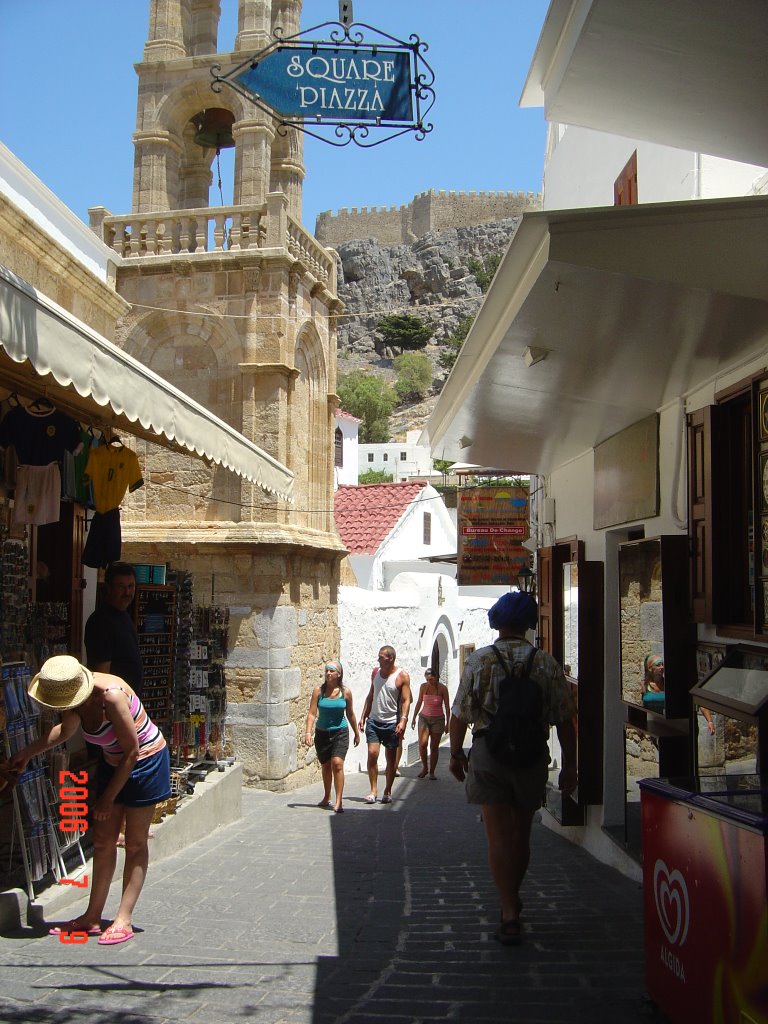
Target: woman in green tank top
x=329 y=710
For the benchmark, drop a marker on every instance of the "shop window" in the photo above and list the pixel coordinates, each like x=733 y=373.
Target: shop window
x=370 y=456
x=625 y=186
x=338 y=448
x=728 y=510
x=427 y=527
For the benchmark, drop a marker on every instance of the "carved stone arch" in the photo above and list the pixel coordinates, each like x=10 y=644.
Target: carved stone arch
x=310 y=430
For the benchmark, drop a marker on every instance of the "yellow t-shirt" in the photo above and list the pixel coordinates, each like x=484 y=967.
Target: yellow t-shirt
x=112 y=471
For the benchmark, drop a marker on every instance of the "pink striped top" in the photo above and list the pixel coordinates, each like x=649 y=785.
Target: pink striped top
x=151 y=740
x=432 y=705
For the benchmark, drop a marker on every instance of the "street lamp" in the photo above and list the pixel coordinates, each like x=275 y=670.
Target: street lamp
x=526 y=580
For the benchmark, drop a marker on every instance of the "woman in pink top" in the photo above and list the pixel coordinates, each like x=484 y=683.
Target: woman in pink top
x=132 y=778
x=433 y=720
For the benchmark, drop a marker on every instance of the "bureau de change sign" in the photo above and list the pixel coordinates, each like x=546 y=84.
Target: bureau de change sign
x=493 y=523
x=348 y=82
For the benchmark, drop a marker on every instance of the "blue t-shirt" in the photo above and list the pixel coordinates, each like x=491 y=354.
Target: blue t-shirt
x=330 y=713
x=39 y=438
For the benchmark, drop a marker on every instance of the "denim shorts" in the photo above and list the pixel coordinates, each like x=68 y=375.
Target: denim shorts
x=382 y=732
x=148 y=783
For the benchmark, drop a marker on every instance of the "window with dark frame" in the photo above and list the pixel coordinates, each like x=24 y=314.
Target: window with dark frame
x=728 y=510
x=370 y=456
x=403 y=456
x=427 y=527
x=338 y=448
x=385 y=457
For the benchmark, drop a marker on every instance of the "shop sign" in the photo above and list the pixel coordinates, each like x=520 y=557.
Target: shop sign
x=493 y=521
x=352 y=83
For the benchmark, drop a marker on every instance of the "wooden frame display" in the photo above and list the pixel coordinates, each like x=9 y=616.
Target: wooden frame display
x=573 y=619
x=656 y=637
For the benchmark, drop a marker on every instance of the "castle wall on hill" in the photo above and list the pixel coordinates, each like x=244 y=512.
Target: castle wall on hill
x=428 y=211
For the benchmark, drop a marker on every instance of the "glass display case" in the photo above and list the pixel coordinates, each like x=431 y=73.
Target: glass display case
x=656 y=636
x=579 y=634
x=736 y=690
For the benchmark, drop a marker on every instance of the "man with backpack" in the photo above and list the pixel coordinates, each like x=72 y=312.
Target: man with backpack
x=511 y=692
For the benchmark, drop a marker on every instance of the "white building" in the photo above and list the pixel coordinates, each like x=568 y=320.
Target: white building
x=402 y=461
x=648 y=315
x=345 y=449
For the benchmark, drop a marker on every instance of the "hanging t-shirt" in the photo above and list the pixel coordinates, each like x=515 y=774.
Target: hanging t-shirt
x=39 y=437
x=112 y=470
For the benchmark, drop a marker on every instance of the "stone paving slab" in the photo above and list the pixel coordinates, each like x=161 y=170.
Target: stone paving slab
x=294 y=915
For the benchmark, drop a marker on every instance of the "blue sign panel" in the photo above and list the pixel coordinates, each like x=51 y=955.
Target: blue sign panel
x=353 y=84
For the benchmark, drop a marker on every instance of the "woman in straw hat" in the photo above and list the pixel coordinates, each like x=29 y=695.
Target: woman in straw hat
x=133 y=776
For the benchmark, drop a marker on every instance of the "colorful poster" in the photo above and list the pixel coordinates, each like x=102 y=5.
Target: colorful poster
x=493 y=523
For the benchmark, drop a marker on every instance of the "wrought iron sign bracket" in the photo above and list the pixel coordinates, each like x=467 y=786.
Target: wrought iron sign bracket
x=308 y=84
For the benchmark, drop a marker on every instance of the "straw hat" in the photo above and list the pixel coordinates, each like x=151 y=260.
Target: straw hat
x=61 y=683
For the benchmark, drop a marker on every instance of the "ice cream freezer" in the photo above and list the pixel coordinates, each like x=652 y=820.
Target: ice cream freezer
x=705 y=875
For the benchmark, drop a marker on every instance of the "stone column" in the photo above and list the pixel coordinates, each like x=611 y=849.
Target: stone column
x=156 y=165
x=288 y=169
x=205 y=26
x=253 y=156
x=166 y=31
x=253 y=27
x=286 y=15
x=195 y=181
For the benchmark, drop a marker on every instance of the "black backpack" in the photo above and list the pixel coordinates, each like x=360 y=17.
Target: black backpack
x=514 y=736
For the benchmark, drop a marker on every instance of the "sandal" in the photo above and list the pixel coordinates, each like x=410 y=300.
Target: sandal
x=422 y=774
x=324 y=803
x=72 y=926
x=508 y=933
x=114 y=935
x=370 y=799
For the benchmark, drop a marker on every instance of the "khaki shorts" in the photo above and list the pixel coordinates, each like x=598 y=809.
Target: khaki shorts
x=490 y=782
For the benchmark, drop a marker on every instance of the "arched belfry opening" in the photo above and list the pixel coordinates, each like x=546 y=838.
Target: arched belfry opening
x=175 y=92
x=230 y=301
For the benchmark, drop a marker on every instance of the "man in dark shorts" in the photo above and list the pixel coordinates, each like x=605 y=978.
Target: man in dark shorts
x=385 y=716
x=111 y=642
x=509 y=796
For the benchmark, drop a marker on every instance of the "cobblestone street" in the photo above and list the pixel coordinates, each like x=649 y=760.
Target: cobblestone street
x=295 y=915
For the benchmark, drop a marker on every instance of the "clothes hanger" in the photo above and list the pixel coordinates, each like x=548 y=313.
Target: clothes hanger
x=41 y=404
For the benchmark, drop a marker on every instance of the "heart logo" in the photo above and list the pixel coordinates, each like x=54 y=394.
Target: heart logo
x=671 y=895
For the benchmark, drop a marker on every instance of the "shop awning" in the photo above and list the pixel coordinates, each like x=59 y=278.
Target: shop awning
x=89 y=377
x=597 y=318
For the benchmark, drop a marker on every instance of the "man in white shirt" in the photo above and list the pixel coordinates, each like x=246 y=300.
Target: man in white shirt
x=385 y=716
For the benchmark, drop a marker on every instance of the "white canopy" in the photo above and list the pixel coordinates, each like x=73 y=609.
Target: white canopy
x=37 y=330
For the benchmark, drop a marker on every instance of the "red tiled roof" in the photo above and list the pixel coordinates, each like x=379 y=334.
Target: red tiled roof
x=366 y=514
x=347 y=416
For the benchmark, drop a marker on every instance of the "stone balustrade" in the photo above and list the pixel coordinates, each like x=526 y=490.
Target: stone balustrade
x=173 y=232
x=218 y=229
x=305 y=248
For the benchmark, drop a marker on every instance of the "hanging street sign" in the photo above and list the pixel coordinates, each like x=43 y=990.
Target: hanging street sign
x=367 y=85
x=348 y=82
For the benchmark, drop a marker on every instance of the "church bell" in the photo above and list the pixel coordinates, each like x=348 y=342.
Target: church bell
x=214 y=128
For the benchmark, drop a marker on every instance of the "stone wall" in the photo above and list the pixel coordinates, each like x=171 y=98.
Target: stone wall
x=282 y=627
x=428 y=211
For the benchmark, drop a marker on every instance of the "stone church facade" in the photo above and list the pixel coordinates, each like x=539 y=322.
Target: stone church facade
x=231 y=304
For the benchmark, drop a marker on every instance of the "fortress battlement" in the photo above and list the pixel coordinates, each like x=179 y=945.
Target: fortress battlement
x=434 y=210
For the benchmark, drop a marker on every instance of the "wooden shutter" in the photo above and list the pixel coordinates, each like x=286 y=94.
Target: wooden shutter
x=625 y=186
x=700 y=519
x=544 y=592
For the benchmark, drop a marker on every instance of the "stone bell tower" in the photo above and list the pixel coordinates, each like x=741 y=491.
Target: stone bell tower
x=231 y=304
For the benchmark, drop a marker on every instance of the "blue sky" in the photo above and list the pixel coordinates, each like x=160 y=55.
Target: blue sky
x=69 y=103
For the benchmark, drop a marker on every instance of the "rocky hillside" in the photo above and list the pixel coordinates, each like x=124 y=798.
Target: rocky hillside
x=431 y=279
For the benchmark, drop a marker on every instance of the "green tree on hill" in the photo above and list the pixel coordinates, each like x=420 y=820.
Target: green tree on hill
x=404 y=331
x=452 y=346
x=414 y=376
x=371 y=399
